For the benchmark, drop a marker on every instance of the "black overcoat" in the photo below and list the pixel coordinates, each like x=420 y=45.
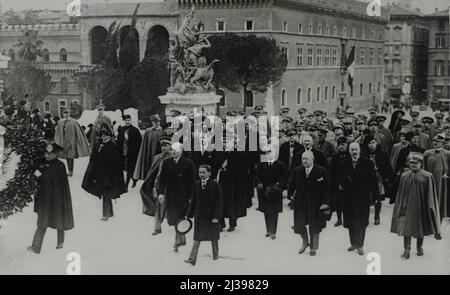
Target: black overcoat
x=359 y=185
x=128 y=161
x=274 y=180
x=175 y=182
x=205 y=205
x=310 y=193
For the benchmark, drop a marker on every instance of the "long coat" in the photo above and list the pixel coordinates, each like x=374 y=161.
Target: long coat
x=416 y=212
x=274 y=180
x=128 y=160
x=438 y=163
x=284 y=155
x=206 y=205
x=149 y=148
x=211 y=158
x=359 y=185
x=70 y=136
x=310 y=193
x=53 y=204
x=175 y=182
x=335 y=174
x=104 y=176
x=235 y=181
x=148 y=189
x=384 y=171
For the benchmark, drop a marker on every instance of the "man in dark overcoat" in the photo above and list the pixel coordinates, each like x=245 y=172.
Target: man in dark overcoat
x=206 y=206
x=359 y=183
x=129 y=141
x=271 y=179
x=335 y=175
x=104 y=175
x=311 y=185
x=175 y=187
x=53 y=203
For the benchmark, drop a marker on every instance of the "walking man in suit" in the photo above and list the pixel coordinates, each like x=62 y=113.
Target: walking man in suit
x=359 y=183
x=311 y=185
x=206 y=206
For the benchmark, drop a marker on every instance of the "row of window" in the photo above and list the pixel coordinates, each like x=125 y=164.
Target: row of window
x=328 y=93
x=249 y=25
x=45 y=54
x=62 y=104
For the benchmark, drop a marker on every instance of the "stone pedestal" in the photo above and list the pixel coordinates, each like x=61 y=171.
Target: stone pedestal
x=190 y=102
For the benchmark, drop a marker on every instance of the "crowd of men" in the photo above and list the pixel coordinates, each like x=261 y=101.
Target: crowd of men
x=322 y=165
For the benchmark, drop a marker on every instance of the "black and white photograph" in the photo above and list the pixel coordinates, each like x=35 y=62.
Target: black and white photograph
x=225 y=137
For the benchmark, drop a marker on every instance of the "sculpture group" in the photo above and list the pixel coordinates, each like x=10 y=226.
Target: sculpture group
x=189 y=70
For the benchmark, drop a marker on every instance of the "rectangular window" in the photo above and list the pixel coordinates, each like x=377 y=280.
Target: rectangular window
x=249 y=25
x=319 y=57
x=396 y=65
x=46 y=106
x=438 y=91
x=397 y=34
x=220 y=26
x=380 y=56
x=363 y=57
x=300 y=28
x=285 y=49
x=334 y=57
x=310 y=57
x=439 y=68
x=371 y=56
x=62 y=104
x=361 y=88
x=327 y=57
x=284 y=26
x=299 y=55
x=440 y=40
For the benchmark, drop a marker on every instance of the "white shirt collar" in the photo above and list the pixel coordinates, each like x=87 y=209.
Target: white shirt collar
x=308 y=170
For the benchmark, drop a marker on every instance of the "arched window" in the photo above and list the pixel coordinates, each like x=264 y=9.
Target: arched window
x=249 y=102
x=318 y=95
x=335 y=31
x=370 y=88
x=361 y=88
x=222 y=97
x=319 y=30
x=344 y=32
x=64 y=85
x=309 y=95
x=283 y=97
x=299 y=96
x=354 y=33
x=45 y=55
x=333 y=92
x=326 y=94
x=12 y=54
x=311 y=28
x=363 y=34
x=46 y=106
x=328 y=30
x=63 y=55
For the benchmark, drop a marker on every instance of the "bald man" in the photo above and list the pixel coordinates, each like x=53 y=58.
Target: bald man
x=174 y=188
x=309 y=185
x=358 y=183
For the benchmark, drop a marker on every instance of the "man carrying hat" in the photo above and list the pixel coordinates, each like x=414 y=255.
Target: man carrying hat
x=149 y=148
x=129 y=141
x=72 y=139
x=53 y=203
x=436 y=161
x=416 y=211
x=104 y=174
x=152 y=206
x=100 y=121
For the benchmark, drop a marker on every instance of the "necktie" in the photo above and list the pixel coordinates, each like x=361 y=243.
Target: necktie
x=203 y=185
x=355 y=162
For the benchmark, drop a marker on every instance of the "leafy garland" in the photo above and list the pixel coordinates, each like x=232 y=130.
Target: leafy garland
x=27 y=142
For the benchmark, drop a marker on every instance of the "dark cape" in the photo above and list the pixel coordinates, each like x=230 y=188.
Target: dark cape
x=416 y=211
x=236 y=182
x=206 y=205
x=147 y=190
x=53 y=203
x=128 y=161
x=149 y=148
x=104 y=176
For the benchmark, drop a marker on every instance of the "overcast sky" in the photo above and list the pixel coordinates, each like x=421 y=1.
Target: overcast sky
x=427 y=6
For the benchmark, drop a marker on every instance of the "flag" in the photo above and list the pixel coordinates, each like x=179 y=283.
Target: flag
x=74 y=8
x=350 y=66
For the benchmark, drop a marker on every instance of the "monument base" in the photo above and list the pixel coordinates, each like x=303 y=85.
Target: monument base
x=190 y=102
